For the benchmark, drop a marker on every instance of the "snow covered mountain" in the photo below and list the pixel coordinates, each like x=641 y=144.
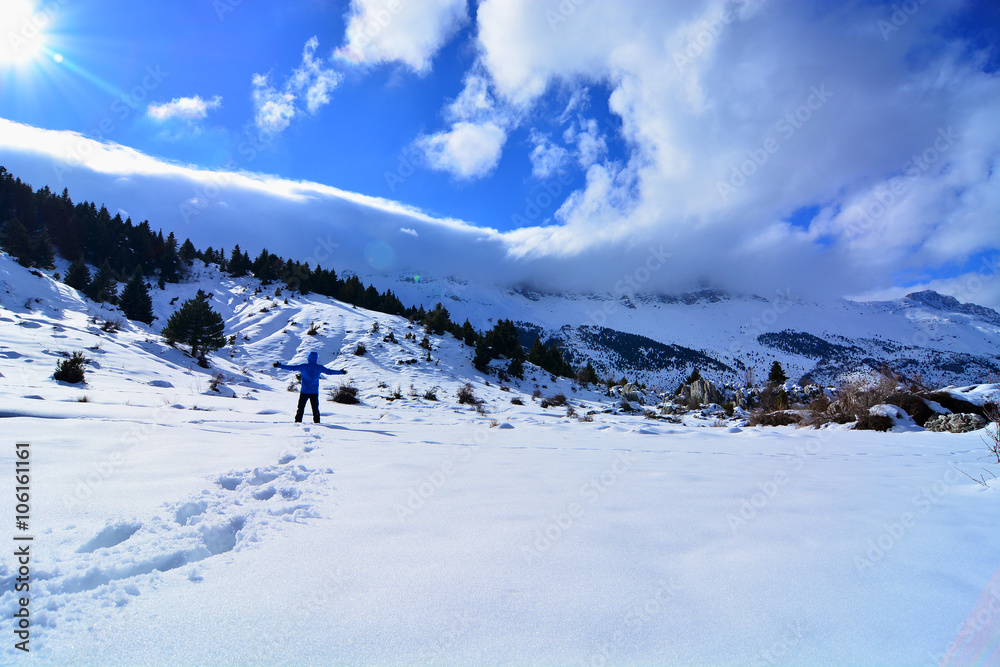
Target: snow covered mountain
x=659 y=339
x=178 y=517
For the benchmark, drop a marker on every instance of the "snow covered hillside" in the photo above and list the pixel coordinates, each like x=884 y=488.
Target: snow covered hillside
x=660 y=339
x=177 y=524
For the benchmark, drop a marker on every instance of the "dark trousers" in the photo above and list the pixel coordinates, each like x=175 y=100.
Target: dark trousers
x=314 y=401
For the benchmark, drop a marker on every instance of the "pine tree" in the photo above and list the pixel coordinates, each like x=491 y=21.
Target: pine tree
x=538 y=354
x=469 y=334
x=42 y=254
x=587 y=374
x=16 y=241
x=170 y=261
x=78 y=276
x=516 y=368
x=197 y=325
x=187 y=253
x=104 y=287
x=136 y=302
x=777 y=374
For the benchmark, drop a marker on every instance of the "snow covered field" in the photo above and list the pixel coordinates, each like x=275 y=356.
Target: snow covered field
x=178 y=526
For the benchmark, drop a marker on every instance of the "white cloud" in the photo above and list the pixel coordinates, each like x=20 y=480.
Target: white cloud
x=407 y=230
x=738 y=114
x=546 y=157
x=334 y=227
x=185 y=108
x=384 y=31
x=310 y=83
x=466 y=151
x=471 y=148
x=273 y=109
x=590 y=143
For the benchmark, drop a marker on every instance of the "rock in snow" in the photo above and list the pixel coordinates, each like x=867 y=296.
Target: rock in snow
x=960 y=423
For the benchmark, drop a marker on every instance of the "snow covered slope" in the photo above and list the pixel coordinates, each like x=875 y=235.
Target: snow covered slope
x=174 y=524
x=660 y=339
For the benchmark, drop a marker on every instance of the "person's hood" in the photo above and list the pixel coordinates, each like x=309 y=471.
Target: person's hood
x=313 y=357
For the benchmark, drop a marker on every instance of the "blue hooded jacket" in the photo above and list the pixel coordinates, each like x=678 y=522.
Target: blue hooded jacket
x=310 y=373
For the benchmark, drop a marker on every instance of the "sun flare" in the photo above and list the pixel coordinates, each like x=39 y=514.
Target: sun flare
x=22 y=32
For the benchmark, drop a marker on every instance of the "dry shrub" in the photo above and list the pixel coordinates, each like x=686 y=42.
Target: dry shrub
x=992 y=413
x=556 y=401
x=820 y=403
x=856 y=397
x=346 y=394
x=762 y=418
x=874 y=423
x=467 y=396
x=516 y=401
x=912 y=405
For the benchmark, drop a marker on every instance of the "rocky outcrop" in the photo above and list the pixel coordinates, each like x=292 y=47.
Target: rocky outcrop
x=955 y=423
x=700 y=392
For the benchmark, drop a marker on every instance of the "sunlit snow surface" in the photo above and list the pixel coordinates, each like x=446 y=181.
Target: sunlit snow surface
x=177 y=526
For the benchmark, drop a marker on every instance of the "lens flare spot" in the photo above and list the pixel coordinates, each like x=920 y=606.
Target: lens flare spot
x=379 y=255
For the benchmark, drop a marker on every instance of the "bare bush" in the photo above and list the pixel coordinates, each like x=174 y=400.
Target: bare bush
x=762 y=418
x=346 y=394
x=516 y=401
x=856 y=397
x=360 y=350
x=217 y=379
x=467 y=395
x=992 y=438
x=874 y=423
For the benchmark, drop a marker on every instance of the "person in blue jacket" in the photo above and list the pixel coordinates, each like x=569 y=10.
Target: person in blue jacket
x=310 y=372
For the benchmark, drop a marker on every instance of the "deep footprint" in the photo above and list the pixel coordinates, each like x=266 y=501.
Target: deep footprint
x=264 y=494
x=220 y=539
x=109 y=537
x=229 y=483
x=190 y=510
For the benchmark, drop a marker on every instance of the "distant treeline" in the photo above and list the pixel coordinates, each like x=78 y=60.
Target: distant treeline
x=35 y=225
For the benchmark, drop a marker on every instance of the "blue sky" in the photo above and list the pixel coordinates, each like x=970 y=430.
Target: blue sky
x=847 y=148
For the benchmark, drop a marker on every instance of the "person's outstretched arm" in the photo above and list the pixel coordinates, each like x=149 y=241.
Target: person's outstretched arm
x=328 y=371
x=289 y=367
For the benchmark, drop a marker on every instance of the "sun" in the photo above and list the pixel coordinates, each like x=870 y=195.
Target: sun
x=22 y=32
